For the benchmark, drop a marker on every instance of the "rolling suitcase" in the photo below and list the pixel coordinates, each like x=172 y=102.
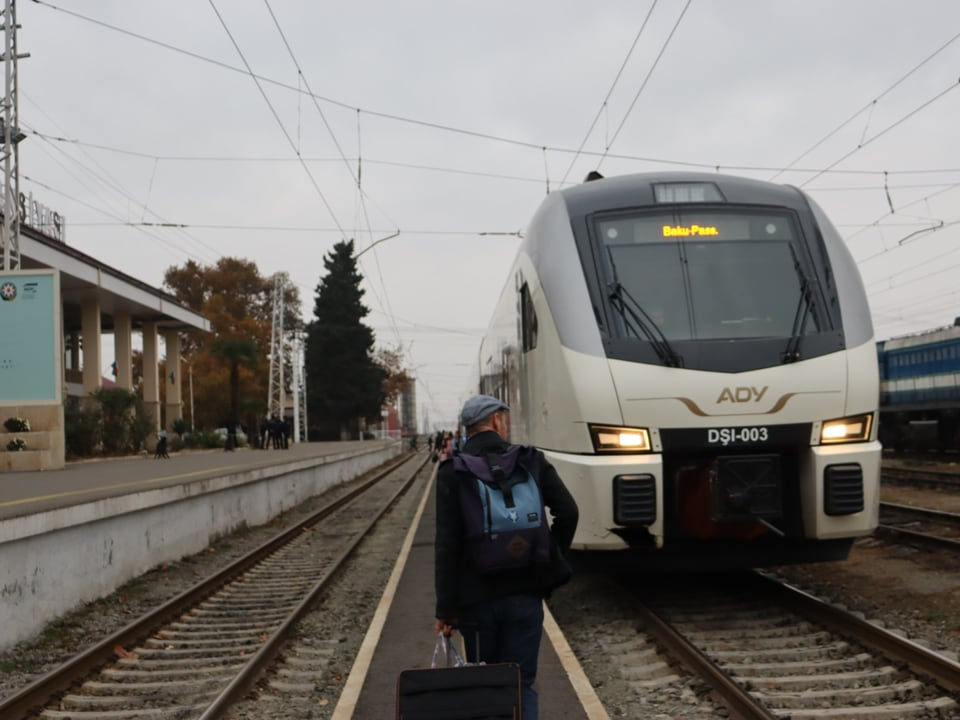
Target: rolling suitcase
x=458 y=691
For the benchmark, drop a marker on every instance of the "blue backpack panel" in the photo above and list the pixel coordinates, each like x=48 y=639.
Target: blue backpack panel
x=503 y=515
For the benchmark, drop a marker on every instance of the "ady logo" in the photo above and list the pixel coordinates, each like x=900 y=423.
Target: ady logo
x=742 y=394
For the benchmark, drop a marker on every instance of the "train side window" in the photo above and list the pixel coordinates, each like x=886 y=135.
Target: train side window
x=528 y=319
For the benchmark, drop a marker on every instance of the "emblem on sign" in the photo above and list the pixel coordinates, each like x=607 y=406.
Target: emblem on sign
x=8 y=291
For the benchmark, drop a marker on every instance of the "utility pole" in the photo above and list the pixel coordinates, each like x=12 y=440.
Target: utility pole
x=10 y=228
x=298 y=386
x=275 y=396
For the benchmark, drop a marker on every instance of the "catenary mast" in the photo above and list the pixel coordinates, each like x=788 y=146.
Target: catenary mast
x=10 y=228
x=275 y=396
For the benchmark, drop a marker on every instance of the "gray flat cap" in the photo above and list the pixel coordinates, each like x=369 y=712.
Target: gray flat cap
x=479 y=407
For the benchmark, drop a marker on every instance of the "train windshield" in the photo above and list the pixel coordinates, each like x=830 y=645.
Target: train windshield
x=705 y=275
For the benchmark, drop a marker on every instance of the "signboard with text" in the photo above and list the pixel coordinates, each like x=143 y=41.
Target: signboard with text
x=29 y=337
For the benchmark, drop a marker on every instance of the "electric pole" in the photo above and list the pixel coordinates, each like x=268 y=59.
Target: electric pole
x=275 y=396
x=299 y=389
x=10 y=229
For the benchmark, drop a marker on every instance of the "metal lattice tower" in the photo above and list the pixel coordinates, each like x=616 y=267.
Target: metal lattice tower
x=299 y=388
x=275 y=396
x=10 y=229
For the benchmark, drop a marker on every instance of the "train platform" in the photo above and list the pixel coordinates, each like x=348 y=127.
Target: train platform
x=401 y=637
x=28 y=493
x=71 y=536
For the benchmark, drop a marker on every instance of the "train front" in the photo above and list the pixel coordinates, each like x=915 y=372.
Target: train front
x=732 y=416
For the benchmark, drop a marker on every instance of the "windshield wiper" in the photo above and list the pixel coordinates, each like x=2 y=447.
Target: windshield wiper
x=805 y=304
x=618 y=297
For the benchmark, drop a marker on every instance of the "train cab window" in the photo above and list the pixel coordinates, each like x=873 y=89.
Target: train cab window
x=528 y=319
x=703 y=275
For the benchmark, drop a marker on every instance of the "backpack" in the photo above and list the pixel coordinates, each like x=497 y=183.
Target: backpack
x=503 y=512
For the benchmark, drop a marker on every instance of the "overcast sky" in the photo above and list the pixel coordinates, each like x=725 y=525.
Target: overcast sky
x=449 y=121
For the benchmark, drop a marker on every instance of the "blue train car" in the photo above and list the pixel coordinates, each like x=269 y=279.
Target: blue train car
x=920 y=390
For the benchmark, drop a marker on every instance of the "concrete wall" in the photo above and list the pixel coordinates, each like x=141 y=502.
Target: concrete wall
x=54 y=561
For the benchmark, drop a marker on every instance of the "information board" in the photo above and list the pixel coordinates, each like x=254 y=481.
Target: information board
x=29 y=347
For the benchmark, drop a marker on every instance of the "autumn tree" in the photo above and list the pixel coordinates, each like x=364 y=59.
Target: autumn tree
x=229 y=379
x=344 y=381
x=397 y=380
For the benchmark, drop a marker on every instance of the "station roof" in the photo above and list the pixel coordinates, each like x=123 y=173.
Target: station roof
x=83 y=277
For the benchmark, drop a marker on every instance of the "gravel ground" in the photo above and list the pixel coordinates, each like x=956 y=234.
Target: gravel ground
x=912 y=590
x=916 y=592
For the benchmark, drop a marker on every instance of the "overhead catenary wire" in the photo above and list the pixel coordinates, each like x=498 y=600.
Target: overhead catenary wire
x=869 y=106
x=927 y=103
x=273 y=111
x=643 y=85
x=356 y=177
x=287 y=86
x=140 y=228
x=606 y=99
x=728 y=167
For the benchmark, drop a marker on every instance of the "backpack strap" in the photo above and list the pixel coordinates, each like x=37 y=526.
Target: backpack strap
x=496 y=469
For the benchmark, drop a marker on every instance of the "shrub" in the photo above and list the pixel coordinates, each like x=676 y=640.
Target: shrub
x=16 y=424
x=116 y=410
x=81 y=427
x=209 y=439
x=16 y=445
x=179 y=426
x=113 y=420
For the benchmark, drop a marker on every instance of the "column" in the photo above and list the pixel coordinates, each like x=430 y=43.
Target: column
x=75 y=351
x=90 y=328
x=174 y=406
x=123 y=350
x=151 y=374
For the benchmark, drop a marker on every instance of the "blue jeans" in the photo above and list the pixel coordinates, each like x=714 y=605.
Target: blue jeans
x=507 y=629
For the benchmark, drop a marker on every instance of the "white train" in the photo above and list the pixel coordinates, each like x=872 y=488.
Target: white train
x=695 y=355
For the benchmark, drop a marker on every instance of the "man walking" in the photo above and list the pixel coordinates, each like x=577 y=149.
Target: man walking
x=498 y=611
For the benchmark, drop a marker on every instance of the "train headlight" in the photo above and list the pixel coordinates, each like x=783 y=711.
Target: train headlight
x=855 y=428
x=607 y=438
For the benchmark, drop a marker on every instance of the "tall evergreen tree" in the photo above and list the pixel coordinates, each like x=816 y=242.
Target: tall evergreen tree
x=344 y=382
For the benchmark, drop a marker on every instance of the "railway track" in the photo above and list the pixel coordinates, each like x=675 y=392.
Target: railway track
x=198 y=654
x=771 y=651
x=919 y=477
x=908 y=524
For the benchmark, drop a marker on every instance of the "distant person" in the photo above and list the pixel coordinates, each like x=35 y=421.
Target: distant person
x=231 y=442
x=446 y=450
x=499 y=612
x=161 y=451
x=276 y=432
x=264 y=434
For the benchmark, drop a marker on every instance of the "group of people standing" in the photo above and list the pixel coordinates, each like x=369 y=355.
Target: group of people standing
x=445 y=444
x=275 y=433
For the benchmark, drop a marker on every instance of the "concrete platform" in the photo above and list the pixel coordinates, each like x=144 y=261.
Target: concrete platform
x=74 y=535
x=26 y=493
x=401 y=637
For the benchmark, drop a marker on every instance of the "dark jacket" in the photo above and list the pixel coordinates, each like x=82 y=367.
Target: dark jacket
x=458 y=582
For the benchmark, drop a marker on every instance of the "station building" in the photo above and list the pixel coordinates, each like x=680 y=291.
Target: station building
x=87 y=299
